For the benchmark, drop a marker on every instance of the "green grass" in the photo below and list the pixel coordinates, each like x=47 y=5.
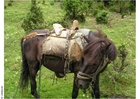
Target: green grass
x=122 y=31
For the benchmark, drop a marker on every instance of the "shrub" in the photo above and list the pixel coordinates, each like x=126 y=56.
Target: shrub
x=34 y=19
x=117 y=74
x=122 y=7
x=51 y=2
x=75 y=9
x=94 y=7
x=120 y=64
x=132 y=7
x=10 y=4
x=102 y=17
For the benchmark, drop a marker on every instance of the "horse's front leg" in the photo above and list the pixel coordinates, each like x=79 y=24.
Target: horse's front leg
x=95 y=87
x=75 y=88
x=33 y=69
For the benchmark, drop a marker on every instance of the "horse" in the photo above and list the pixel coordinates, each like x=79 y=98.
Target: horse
x=98 y=48
x=99 y=52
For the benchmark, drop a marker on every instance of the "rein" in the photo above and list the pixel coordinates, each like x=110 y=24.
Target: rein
x=92 y=76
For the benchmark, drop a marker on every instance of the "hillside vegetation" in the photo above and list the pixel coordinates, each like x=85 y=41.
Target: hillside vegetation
x=116 y=81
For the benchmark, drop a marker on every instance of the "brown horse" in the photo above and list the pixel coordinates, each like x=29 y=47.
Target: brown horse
x=95 y=53
x=99 y=52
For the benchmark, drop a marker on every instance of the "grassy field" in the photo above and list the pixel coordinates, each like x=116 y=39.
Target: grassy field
x=122 y=31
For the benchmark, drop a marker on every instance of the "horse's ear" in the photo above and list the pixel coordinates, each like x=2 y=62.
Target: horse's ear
x=105 y=47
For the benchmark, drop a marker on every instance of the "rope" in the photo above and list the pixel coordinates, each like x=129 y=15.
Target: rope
x=66 y=65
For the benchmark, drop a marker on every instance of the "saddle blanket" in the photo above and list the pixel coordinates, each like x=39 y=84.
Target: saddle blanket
x=57 y=46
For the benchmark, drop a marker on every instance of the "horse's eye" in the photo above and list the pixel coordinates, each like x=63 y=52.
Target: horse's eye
x=94 y=64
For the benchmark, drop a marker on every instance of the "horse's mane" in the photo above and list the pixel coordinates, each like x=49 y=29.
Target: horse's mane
x=100 y=33
x=96 y=47
x=93 y=49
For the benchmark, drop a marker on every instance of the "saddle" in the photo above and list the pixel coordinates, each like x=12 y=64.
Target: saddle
x=64 y=43
x=59 y=30
x=60 y=46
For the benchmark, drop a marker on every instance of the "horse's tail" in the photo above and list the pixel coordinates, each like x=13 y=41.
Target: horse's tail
x=24 y=76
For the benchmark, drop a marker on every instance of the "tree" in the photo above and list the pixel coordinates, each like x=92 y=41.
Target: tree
x=75 y=9
x=122 y=7
x=34 y=18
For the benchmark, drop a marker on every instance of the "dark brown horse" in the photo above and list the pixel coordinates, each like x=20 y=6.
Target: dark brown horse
x=97 y=54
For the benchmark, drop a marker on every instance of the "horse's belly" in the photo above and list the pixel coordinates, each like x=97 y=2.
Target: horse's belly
x=54 y=64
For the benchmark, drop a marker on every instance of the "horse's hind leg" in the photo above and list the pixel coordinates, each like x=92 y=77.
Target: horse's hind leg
x=33 y=69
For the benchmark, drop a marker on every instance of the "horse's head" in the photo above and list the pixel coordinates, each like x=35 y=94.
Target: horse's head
x=97 y=54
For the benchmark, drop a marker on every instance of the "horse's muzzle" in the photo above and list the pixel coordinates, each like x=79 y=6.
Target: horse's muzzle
x=82 y=84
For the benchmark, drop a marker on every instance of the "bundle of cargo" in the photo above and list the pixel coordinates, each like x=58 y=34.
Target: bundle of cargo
x=63 y=41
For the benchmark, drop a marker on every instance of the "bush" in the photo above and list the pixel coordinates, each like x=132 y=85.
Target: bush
x=119 y=66
x=34 y=19
x=94 y=7
x=132 y=7
x=122 y=7
x=10 y=4
x=102 y=17
x=75 y=9
x=51 y=2
x=117 y=74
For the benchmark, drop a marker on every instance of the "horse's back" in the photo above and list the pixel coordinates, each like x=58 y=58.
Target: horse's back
x=32 y=44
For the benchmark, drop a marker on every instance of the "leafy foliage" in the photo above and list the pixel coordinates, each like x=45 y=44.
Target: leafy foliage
x=74 y=9
x=122 y=7
x=102 y=17
x=99 y=11
x=117 y=74
x=120 y=64
x=34 y=19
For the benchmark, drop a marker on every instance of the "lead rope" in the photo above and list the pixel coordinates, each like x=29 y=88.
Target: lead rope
x=102 y=65
x=92 y=84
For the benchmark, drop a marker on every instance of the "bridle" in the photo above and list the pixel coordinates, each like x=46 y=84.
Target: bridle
x=92 y=76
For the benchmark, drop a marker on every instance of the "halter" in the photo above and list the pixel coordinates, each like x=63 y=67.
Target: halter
x=92 y=76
